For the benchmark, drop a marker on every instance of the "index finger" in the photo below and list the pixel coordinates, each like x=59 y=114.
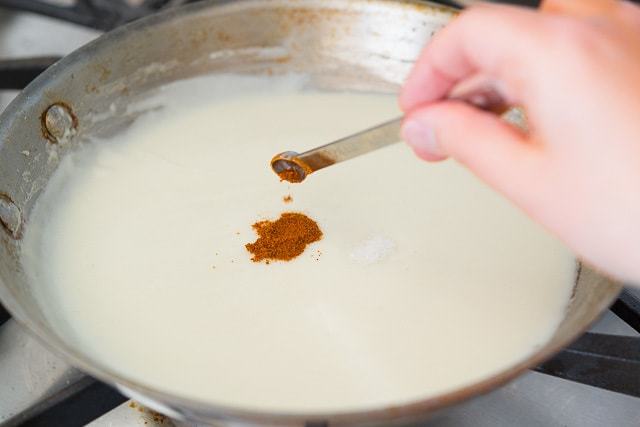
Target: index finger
x=496 y=41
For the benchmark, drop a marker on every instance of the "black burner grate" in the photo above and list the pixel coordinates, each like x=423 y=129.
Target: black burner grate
x=18 y=73
x=628 y=309
x=99 y=14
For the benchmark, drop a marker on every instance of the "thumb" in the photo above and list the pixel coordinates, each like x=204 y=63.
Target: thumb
x=492 y=149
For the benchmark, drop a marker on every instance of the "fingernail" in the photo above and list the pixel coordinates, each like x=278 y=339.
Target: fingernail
x=421 y=138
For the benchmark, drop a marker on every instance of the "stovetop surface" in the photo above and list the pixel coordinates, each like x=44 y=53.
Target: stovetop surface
x=534 y=399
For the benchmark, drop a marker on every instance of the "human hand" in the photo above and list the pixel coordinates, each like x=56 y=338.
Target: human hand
x=575 y=69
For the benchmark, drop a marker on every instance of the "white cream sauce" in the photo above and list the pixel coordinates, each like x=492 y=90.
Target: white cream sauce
x=425 y=279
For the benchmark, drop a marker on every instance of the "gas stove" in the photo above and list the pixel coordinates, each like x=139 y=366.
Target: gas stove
x=39 y=389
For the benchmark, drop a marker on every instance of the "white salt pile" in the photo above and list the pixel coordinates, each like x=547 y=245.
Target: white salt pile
x=373 y=250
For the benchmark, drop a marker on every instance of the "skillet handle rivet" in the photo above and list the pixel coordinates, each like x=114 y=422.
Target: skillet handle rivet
x=59 y=123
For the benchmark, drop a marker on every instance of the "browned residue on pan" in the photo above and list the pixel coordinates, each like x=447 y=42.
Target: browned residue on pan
x=301 y=17
x=104 y=72
x=148 y=415
x=91 y=88
x=198 y=38
x=223 y=37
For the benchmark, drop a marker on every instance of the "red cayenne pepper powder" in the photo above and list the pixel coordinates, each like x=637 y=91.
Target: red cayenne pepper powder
x=290 y=175
x=283 y=239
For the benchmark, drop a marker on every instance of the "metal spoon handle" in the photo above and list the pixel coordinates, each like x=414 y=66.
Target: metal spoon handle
x=293 y=167
x=352 y=146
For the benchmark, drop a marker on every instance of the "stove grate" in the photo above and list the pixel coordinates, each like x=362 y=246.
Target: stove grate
x=99 y=14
